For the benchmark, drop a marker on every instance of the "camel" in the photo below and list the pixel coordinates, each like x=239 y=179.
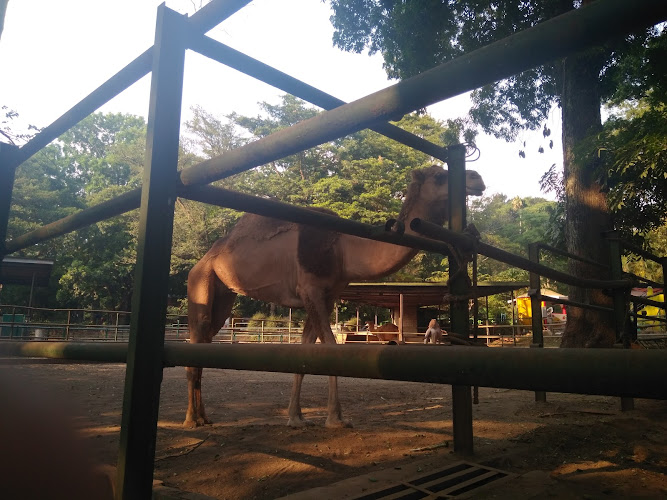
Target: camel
x=384 y=333
x=300 y=266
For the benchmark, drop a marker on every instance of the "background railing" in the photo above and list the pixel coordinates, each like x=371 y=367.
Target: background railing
x=617 y=371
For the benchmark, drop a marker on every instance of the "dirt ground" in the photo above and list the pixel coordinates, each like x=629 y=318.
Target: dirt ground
x=573 y=446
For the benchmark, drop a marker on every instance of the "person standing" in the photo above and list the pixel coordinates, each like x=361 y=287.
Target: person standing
x=434 y=333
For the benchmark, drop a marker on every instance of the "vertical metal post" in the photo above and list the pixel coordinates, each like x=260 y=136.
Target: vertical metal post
x=11 y=328
x=663 y=262
x=535 y=294
x=512 y=301
x=149 y=300
x=69 y=320
x=400 y=318
x=623 y=337
x=7 y=174
x=461 y=394
x=620 y=305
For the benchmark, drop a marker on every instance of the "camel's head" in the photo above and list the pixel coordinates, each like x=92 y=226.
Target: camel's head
x=431 y=186
x=438 y=178
x=474 y=184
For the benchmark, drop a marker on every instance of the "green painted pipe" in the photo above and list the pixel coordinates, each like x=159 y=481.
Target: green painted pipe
x=611 y=372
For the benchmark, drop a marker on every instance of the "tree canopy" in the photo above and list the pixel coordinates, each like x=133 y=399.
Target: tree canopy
x=362 y=177
x=414 y=36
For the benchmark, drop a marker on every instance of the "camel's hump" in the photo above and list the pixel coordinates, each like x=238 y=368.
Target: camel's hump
x=260 y=228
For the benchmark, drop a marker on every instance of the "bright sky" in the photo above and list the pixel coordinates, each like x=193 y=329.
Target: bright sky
x=54 y=53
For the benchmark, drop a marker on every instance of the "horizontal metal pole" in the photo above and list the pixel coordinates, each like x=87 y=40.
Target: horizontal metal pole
x=563 y=253
x=648 y=302
x=203 y=20
x=577 y=304
x=105 y=210
x=75 y=351
x=469 y=243
x=641 y=252
x=611 y=372
x=284 y=211
x=234 y=59
x=648 y=318
x=585 y=27
x=228 y=199
x=642 y=280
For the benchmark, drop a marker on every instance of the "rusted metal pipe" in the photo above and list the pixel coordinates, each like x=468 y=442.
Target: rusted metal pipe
x=611 y=372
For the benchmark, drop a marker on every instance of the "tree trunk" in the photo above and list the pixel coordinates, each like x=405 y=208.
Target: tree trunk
x=587 y=215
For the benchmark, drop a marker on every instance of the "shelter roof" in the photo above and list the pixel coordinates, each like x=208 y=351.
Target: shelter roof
x=545 y=292
x=20 y=271
x=415 y=294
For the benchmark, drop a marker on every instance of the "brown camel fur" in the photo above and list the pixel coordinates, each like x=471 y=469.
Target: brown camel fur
x=300 y=266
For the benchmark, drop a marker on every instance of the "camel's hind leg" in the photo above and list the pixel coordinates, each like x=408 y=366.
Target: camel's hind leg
x=295 y=417
x=209 y=304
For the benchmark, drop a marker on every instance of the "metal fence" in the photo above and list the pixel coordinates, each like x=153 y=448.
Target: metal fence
x=620 y=372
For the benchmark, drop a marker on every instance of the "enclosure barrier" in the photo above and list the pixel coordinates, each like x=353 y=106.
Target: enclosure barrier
x=496 y=61
x=610 y=372
x=146 y=354
x=469 y=243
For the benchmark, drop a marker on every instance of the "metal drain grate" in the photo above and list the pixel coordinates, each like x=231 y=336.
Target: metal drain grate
x=454 y=481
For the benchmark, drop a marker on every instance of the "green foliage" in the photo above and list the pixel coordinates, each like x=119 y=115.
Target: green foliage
x=415 y=36
x=633 y=154
x=361 y=177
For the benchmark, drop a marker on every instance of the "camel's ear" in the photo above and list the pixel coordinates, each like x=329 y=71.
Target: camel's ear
x=418 y=176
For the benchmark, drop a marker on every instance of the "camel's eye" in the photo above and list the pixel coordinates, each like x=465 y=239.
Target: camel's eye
x=441 y=179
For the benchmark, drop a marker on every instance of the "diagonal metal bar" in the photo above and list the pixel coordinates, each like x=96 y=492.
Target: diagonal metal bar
x=202 y=21
x=102 y=211
x=444 y=81
x=233 y=58
x=586 y=26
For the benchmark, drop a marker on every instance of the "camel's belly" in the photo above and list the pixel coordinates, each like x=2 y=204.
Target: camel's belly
x=270 y=279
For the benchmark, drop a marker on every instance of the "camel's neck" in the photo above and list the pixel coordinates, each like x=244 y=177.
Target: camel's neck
x=368 y=259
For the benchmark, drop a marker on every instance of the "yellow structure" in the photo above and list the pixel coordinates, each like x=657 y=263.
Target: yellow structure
x=655 y=311
x=551 y=312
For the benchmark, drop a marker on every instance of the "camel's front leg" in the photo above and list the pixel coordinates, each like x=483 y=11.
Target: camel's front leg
x=195 y=415
x=294 y=410
x=335 y=414
x=320 y=310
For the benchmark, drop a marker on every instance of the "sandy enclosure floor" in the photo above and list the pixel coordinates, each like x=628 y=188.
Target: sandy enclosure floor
x=583 y=446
